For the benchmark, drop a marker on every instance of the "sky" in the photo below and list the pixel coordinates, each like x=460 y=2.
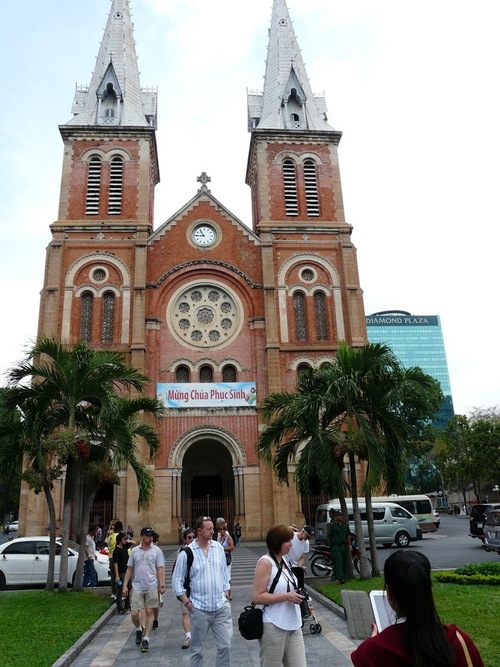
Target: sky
x=413 y=86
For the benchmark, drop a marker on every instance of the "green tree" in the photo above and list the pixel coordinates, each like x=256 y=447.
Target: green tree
x=364 y=404
x=78 y=391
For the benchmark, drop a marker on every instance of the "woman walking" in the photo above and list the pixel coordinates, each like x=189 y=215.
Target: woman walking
x=275 y=586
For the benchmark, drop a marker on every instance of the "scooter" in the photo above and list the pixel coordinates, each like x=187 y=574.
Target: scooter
x=322 y=563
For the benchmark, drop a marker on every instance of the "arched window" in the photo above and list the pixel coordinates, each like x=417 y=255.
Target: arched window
x=299 y=307
x=87 y=308
x=108 y=317
x=182 y=374
x=229 y=373
x=320 y=315
x=290 y=185
x=93 y=186
x=115 y=186
x=303 y=368
x=206 y=374
x=311 y=187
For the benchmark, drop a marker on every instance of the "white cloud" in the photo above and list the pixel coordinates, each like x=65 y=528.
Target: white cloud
x=412 y=86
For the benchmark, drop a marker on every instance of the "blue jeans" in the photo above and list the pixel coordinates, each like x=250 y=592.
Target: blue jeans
x=89 y=574
x=221 y=624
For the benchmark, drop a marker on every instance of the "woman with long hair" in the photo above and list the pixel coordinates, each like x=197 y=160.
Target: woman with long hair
x=275 y=587
x=418 y=638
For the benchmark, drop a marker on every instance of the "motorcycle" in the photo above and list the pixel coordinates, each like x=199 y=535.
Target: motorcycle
x=322 y=563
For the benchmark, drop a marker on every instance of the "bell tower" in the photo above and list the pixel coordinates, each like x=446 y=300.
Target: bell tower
x=313 y=298
x=95 y=276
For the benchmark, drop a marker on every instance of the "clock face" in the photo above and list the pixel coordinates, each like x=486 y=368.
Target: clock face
x=204 y=235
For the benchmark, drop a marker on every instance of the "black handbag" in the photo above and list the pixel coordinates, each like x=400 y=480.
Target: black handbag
x=250 y=622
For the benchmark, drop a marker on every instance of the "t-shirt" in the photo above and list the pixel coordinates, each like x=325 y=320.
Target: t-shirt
x=90 y=546
x=145 y=563
x=387 y=649
x=120 y=556
x=298 y=548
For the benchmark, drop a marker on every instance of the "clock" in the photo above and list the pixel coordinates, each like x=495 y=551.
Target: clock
x=204 y=235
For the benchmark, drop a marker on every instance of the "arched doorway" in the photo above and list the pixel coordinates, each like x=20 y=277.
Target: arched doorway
x=207 y=481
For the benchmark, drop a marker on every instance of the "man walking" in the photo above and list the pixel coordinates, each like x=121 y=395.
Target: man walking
x=146 y=567
x=340 y=537
x=205 y=597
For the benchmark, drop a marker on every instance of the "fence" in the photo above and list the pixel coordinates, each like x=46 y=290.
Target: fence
x=212 y=507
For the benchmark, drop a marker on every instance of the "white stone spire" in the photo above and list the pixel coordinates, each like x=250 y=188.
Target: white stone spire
x=287 y=102
x=114 y=96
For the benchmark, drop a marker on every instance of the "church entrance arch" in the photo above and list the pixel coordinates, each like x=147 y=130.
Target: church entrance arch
x=207 y=481
x=209 y=462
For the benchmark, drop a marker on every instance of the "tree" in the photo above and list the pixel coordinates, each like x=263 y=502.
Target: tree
x=77 y=391
x=364 y=404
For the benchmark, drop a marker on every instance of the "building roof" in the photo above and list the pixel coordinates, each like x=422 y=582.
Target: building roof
x=116 y=77
x=286 y=85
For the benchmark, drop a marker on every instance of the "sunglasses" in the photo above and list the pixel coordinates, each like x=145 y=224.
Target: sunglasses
x=206 y=518
x=190 y=537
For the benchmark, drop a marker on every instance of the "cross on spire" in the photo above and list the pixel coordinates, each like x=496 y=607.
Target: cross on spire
x=203 y=179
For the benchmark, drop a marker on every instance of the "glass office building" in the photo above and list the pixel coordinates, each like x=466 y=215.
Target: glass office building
x=416 y=340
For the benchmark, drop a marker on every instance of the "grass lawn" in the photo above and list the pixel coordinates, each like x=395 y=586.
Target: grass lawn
x=37 y=627
x=475 y=609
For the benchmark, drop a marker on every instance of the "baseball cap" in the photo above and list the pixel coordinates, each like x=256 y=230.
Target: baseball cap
x=309 y=530
x=147 y=531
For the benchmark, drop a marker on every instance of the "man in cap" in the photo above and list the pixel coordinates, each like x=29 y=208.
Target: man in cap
x=300 y=547
x=146 y=567
x=340 y=537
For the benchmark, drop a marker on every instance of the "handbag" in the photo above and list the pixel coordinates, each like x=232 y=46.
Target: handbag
x=228 y=557
x=250 y=621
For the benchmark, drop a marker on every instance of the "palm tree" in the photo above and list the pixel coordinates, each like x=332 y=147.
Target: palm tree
x=359 y=404
x=76 y=389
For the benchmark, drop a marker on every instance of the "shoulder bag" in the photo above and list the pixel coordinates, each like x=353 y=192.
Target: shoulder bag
x=250 y=623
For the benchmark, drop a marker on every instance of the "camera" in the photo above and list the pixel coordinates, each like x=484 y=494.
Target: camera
x=304 y=593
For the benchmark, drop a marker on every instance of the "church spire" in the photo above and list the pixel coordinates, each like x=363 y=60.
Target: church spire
x=114 y=96
x=287 y=102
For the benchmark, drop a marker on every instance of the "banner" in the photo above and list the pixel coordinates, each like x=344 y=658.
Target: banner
x=207 y=395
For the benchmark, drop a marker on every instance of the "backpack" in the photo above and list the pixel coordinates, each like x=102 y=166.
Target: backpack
x=190 y=558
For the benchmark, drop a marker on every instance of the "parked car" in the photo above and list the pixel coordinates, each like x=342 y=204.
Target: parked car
x=492 y=532
x=437 y=518
x=11 y=527
x=25 y=561
x=479 y=516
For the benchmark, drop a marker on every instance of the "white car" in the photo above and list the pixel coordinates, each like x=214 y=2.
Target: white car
x=25 y=561
x=12 y=527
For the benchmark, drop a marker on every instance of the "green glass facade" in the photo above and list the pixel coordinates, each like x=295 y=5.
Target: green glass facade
x=416 y=340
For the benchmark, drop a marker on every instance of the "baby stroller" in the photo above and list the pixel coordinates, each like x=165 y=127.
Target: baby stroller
x=305 y=608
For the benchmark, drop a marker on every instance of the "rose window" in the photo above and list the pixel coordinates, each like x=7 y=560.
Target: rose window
x=205 y=315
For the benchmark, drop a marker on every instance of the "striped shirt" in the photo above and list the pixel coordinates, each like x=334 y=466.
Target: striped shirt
x=208 y=576
x=145 y=563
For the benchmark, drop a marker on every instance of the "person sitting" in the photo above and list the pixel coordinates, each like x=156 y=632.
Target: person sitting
x=417 y=639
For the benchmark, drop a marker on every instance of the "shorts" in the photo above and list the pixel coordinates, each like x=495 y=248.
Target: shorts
x=142 y=599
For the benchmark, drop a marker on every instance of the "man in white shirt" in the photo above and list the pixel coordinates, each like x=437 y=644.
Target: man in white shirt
x=146 y=568
x=300 y=547
x=89 y=572
x=206 y=599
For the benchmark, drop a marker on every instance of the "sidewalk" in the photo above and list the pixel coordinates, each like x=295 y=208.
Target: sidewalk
x=112 y=639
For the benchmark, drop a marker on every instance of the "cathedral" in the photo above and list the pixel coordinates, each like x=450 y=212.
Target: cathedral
x=216 y=311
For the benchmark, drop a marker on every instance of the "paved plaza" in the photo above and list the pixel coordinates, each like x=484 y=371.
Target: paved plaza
x=115 y=641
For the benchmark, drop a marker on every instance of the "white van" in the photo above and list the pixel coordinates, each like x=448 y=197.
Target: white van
x=392 y=523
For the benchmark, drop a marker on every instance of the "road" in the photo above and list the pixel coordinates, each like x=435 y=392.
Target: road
x=448 y=547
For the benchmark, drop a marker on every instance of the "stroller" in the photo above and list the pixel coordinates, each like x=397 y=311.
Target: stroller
x=305 y=608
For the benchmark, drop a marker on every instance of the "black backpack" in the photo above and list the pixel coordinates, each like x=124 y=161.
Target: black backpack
x=190 y=558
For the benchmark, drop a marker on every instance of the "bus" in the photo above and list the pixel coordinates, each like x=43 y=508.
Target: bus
x=418 y=504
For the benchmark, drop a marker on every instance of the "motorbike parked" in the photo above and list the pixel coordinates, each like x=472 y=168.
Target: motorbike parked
x=322 y=562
